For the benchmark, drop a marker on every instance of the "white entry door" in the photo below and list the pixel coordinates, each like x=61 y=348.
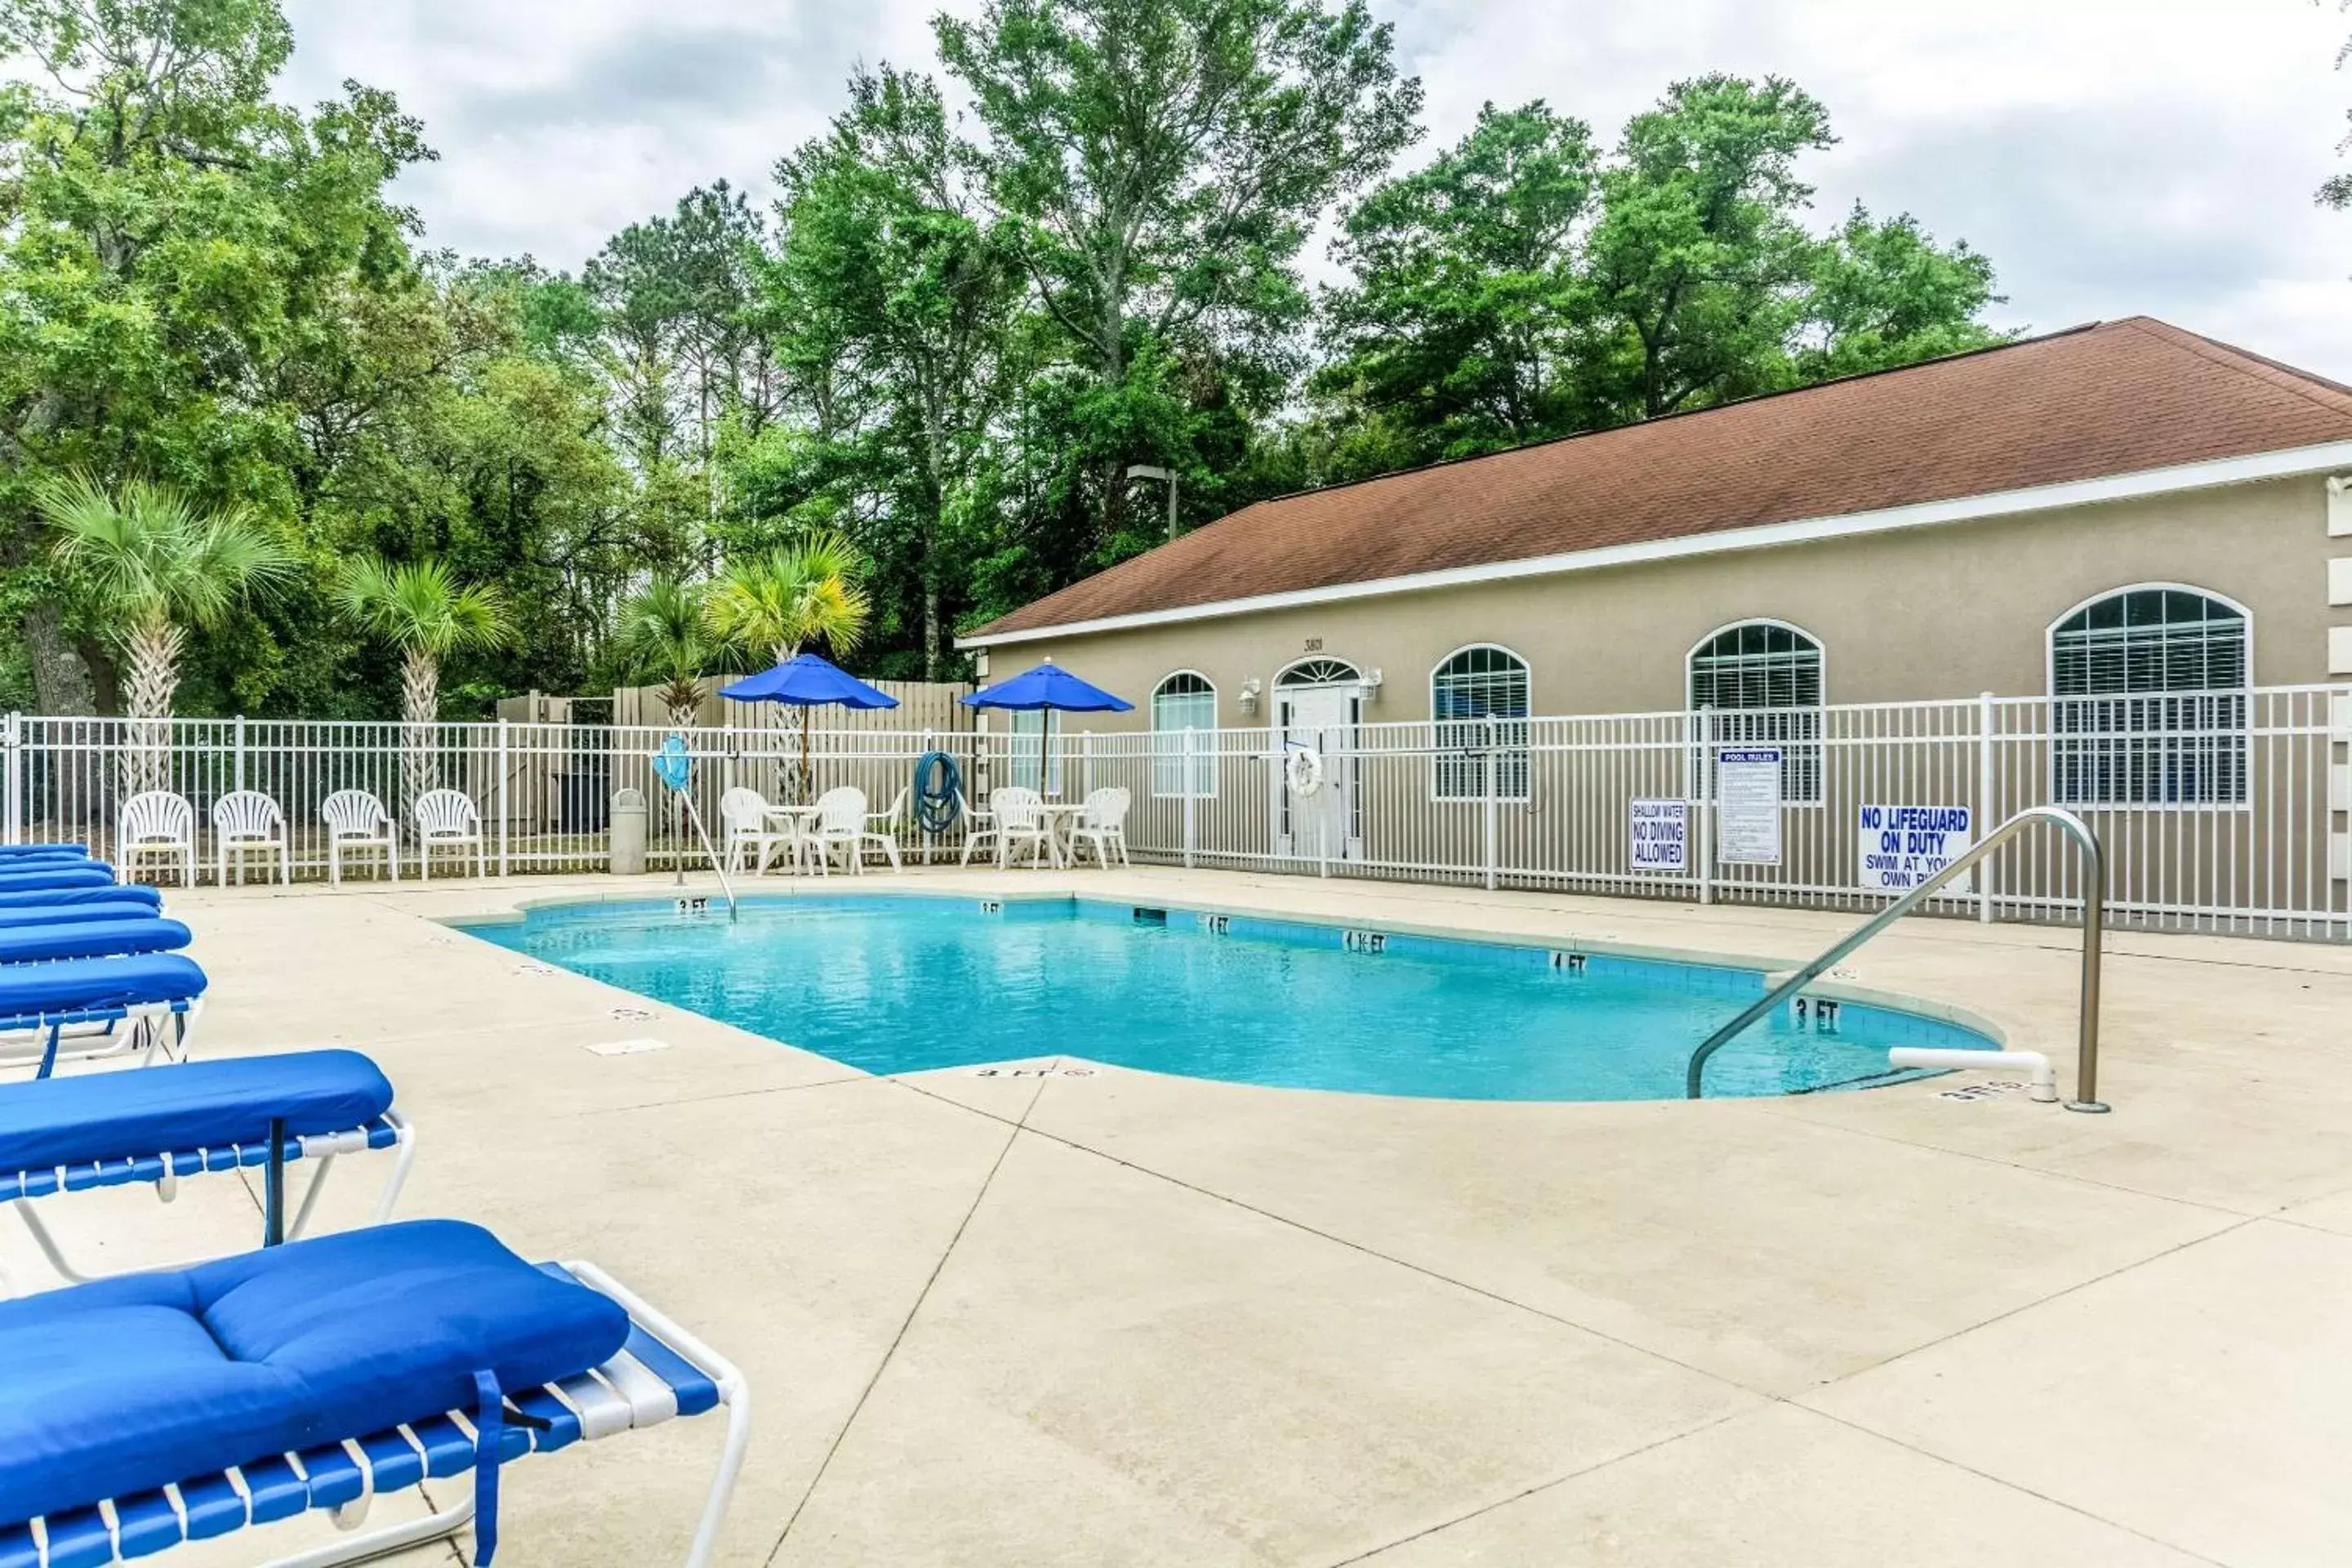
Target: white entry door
x=1326 y=823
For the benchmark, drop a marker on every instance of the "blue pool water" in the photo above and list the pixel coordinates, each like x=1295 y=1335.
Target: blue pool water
x=899 y=983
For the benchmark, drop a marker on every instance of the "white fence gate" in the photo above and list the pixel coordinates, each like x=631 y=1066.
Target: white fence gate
x=2220 y=811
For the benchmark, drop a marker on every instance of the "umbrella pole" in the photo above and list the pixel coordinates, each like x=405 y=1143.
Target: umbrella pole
x=808 y=777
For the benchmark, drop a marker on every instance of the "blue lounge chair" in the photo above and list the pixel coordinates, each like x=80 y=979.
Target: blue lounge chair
x=64 y=1135
x=91 y=939
x=69 y=914
x=156 y=1408
x=58 y=897
x=81 y=1008
x=42 y=876
x=12 y=853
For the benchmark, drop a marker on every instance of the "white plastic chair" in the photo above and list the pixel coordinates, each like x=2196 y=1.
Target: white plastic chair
x=882 y=831
x=1021 y=820
x=246 y=820
x=357 y=820
x=746 y=822
x=1103 y=825
x=979 y=827
x=155 y=822
x=447 y=817
x=840 y=820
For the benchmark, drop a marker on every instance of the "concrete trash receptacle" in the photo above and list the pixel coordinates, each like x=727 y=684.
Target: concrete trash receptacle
x=628 y=832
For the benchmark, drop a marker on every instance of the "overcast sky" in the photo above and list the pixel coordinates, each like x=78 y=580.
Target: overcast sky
x=2114 y=157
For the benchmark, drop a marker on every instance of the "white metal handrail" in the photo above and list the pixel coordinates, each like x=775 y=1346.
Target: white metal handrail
x=2086 y=1058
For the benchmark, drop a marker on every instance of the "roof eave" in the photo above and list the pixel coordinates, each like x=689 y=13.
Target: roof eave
x=2212 y=474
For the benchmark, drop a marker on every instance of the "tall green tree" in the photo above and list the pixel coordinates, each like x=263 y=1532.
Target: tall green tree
x=665 y=635
x=1165 y=161
x=922 y=290
x=1885 y=294
x=174 y=246
x=421 y=609
x=151 y=566
x=1522 y=286
x=1461 y=322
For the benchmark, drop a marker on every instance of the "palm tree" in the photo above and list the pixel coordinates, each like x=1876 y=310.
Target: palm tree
x=795 y=595
x=666 y=633
x=421 y=609
x=155 y=564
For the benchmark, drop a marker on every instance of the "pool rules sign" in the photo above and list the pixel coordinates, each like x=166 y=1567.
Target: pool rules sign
x=1902 y=846
x=1748 y=806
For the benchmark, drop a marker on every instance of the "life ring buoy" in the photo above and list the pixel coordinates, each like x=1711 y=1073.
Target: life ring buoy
x=1303 y=767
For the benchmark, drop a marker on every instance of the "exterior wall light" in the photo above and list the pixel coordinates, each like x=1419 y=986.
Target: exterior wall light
x=1372 y=685
x=1249 y=688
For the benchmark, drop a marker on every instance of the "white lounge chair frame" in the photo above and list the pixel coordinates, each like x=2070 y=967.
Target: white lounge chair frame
x=155 y=822
x=446 y=819
x=245 y=820
x=355 y=819
x=148 y=1029
x=882 y=831
x=622 y=1395
x=840 y=820
x=1103 y=825
x=320 y=1147
x=1020 y=821
x=745 y=820
x=979 y=827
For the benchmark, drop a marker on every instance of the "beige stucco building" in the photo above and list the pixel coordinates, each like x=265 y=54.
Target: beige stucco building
x=1950 y=528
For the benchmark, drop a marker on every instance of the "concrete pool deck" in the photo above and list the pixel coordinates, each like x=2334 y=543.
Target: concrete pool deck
x=1074 y=1314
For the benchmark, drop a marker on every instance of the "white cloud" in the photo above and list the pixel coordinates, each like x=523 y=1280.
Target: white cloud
x=2114 y=157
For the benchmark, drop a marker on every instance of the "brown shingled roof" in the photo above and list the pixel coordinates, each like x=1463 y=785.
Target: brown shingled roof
x=2114 y=398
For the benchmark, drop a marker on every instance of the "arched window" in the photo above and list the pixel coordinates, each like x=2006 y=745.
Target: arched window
x=1478 y=699
x=2148 y=700
x=1184 y=702
x=1319 y=672
x=1762 y=681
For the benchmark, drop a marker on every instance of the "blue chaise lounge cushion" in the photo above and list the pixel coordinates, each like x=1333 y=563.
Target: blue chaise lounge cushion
x=91 y=939
x=98 y=984
x=124 y=1384
x=185 y=1105
x=76 y=914
x=40 y=874
x=110 y=894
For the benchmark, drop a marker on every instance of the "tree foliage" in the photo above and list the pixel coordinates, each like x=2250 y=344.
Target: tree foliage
x=921 y=376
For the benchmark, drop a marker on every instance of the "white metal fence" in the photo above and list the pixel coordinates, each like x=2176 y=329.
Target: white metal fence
x=2218 y=810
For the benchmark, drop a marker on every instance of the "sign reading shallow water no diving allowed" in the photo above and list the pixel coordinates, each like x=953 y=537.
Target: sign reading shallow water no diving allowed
x=1748 y=806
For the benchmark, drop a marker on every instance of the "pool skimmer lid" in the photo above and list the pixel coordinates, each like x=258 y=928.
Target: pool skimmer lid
x=627 y=1048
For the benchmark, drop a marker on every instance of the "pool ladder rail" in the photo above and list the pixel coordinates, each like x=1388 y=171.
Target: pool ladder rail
x=2086 y=1058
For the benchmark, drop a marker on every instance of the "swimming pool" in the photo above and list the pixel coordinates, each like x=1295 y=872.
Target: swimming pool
x=894 y=983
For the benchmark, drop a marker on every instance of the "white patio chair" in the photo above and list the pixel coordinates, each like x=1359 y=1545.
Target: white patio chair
x=245 y=820
x=979 y=827
x=446 y=819
x=746 y=822
x=357 y=820
x=1103 y=825
x=882 y=831
x=840 y=820
x=1021 y=820
x=155 y=822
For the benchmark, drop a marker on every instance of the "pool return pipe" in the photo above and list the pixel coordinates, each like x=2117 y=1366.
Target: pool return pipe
x=2044 y=1078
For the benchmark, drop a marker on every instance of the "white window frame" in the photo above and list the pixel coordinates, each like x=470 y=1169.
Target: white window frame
x=1798 y=750
x=1167 y=754
x=2074 y=800
x=1514 y=762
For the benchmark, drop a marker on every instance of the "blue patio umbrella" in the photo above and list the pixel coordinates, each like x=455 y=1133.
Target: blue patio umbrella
x=1047 y=687
x=809 y=680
